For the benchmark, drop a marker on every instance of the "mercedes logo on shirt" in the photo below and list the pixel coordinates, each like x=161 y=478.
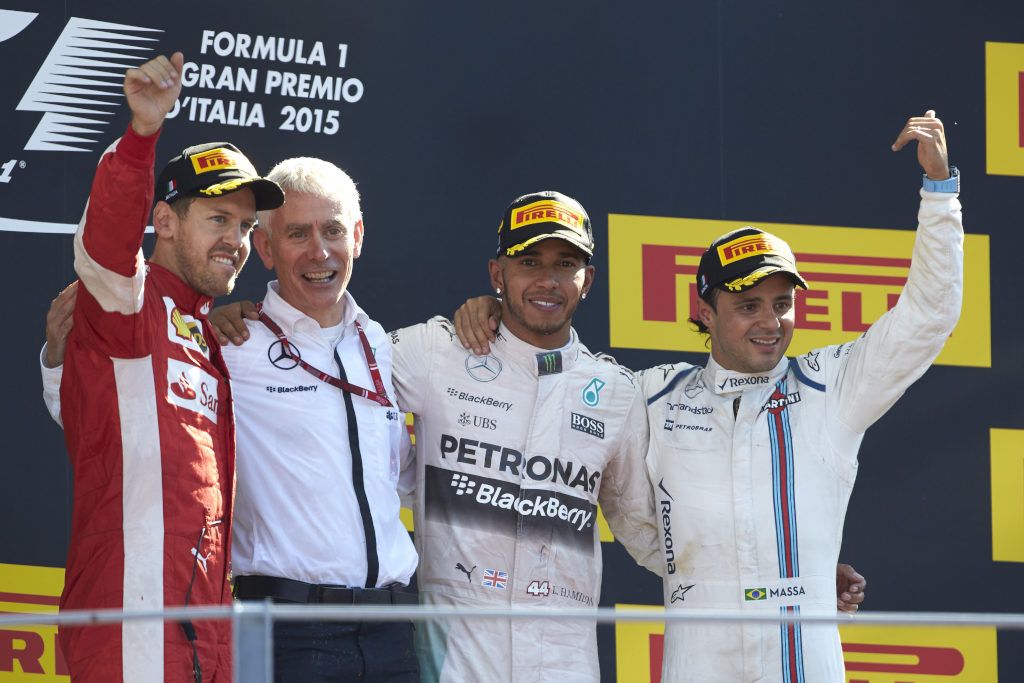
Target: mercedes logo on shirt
x=280 y=358
x=483 y=368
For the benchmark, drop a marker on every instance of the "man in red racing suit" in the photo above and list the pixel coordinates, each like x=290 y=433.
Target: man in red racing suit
x=147 y=408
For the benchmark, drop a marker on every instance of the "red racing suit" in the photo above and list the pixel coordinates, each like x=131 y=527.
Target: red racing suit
x=149 y=430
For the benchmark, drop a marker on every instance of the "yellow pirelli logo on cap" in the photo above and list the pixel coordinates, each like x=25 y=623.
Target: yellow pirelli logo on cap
x=747 y=246
x=217 y=160
x=546 y=211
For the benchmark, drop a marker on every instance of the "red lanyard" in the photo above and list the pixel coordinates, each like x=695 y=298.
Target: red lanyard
x=380 y=396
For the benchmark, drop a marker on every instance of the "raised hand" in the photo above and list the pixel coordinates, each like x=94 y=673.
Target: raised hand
x=931 y=144
x=151 y=91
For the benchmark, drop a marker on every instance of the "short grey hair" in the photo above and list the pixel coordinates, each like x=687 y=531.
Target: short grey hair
x=316 y=177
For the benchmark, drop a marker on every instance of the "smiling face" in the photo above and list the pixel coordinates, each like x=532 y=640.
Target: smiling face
x=207 y=245
x=541 y=288
x=311 y=250
x=751 y=330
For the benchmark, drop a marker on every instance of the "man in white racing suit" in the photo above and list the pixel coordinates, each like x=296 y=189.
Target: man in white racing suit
x=515 y=449
x=754 y=455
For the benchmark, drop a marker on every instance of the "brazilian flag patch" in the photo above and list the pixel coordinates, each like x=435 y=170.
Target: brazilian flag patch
x=755 y=594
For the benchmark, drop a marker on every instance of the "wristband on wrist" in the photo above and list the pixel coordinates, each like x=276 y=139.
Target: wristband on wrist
x=950 y=184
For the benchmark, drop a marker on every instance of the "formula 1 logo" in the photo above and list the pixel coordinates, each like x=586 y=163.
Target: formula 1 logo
x=78 y=85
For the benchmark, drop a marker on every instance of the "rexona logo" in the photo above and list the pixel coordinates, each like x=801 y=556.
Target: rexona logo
x=653 y=262
x=872 y=654
x=1004 y=110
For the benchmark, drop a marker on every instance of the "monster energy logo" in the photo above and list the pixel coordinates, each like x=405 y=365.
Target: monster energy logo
x=549 y=363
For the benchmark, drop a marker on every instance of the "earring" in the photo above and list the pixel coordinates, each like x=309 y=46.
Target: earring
x=584 y=295
x=497 y=290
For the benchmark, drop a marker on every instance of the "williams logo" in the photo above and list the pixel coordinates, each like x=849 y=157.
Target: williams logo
x=587 y=425
x=694 y=390
x=483 y=368
x=592 y=392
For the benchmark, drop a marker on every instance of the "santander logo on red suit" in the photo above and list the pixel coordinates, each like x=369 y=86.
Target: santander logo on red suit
x=192 y=388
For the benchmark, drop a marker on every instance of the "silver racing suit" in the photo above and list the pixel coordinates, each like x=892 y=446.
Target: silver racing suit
x=514 y=452
x=752 y=502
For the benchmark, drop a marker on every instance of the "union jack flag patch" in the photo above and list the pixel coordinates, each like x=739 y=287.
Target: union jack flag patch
x=494 y=578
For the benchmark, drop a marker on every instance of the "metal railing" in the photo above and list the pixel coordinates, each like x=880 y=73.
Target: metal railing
x=253 y=621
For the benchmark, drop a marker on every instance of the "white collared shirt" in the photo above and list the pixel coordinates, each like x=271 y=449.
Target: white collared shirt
x=296 y=514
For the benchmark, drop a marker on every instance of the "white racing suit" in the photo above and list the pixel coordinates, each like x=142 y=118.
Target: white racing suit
x=514 y=452
x=753 y=505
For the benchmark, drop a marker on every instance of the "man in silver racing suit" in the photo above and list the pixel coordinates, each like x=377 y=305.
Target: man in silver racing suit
x=515 y=449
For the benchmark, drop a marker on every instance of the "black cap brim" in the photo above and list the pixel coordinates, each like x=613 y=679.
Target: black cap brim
x=565 y=235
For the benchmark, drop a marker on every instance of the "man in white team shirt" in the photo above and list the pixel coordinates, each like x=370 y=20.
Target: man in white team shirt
x=317 y=510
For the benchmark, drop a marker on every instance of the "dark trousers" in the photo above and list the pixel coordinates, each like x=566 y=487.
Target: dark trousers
x=330 y=652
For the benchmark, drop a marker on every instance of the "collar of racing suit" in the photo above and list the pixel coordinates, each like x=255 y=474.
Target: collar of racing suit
x=535 y=359
x=729 y=382
x=292 y=320
x=186 y=299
